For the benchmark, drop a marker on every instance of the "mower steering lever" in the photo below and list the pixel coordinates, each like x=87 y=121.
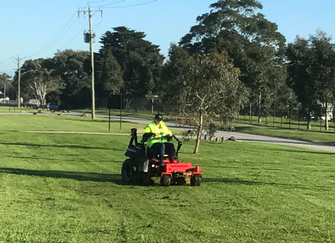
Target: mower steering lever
x=146 y=137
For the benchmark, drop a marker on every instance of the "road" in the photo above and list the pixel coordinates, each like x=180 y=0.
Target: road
x=243 y=137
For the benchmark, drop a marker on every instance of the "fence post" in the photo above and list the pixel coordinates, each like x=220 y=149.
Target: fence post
x=281 y=121
x=273 y=120
x=289 y=121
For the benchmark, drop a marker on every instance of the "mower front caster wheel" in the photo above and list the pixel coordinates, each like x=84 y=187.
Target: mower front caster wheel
x=196 y=180
x=166 y=180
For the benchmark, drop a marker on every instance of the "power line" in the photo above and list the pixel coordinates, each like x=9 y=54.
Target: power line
x=120 y=1
x=58 y=36
x=132 y=5
x=124 y=6
x=69 y=24
x=100 y=21
x=79 y=32
x=108 y=0
x=73 y=38
x=7 y=60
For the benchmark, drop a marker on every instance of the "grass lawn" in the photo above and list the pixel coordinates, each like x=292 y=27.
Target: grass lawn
x=66 y=187
x=313 y=136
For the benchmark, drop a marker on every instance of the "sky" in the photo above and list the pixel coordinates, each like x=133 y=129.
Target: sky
x=38 y=28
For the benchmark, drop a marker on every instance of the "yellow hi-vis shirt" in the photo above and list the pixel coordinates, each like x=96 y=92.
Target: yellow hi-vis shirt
x=162 y=129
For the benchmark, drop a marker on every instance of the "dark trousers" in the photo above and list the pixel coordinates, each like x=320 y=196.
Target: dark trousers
x=163 y=148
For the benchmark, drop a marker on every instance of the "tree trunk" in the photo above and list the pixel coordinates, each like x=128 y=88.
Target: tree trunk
x=197 y=141
x=250 y=115
x=326 y=117
x=309 y=127
x=127 y=104
x=259 y=107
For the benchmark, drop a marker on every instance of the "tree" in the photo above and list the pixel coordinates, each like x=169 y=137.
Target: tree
x=138 y=79
x=139 y=59
x=211 y=87
x=322 y=70
x=299 y=60
x=253 y=42
x=72 y=69
x=311 y=73
x=111 y=76
x=264 y=77
x=169 y=89
x=5 y=84
x=38 y=81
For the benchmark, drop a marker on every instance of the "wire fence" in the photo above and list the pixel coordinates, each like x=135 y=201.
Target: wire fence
x=287 y=122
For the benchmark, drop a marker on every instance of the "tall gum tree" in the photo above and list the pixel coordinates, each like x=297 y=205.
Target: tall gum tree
x=254 y=43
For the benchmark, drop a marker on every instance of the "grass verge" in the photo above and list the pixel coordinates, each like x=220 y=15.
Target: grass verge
x=67 y=188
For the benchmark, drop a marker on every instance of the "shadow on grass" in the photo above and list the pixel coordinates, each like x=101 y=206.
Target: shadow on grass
x=60 y=146
x=79 y=176
x=232 y=180
x=98 y=177
x=116 y=178
x=301 y=151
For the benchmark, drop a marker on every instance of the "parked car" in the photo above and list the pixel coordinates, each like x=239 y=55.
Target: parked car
x=52 y=106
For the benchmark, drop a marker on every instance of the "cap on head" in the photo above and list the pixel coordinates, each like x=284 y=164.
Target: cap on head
x=158 y=117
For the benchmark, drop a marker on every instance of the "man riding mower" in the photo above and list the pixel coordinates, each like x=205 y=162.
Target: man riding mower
x=157 y=135
x=147 y=160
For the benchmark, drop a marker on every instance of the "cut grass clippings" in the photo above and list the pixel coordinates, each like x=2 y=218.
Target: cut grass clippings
x=59 y=187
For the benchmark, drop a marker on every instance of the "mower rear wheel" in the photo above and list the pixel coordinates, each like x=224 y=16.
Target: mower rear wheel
x=127 y=172
x=196 y=180
x=166 y=180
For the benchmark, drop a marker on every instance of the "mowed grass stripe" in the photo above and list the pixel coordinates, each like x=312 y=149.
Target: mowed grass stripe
x=67 y=188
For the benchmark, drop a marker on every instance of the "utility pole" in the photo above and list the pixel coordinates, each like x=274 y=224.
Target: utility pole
x=18 y=82
x=90 y=37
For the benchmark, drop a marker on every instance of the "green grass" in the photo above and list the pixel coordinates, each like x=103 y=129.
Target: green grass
x=60 y=187
x=39 y=122
x=66 y=123
x=313 y=136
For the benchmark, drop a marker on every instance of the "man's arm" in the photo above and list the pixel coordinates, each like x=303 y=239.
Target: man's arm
x=167 y=130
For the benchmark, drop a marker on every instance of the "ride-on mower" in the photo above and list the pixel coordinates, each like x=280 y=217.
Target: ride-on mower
x=142 y=165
